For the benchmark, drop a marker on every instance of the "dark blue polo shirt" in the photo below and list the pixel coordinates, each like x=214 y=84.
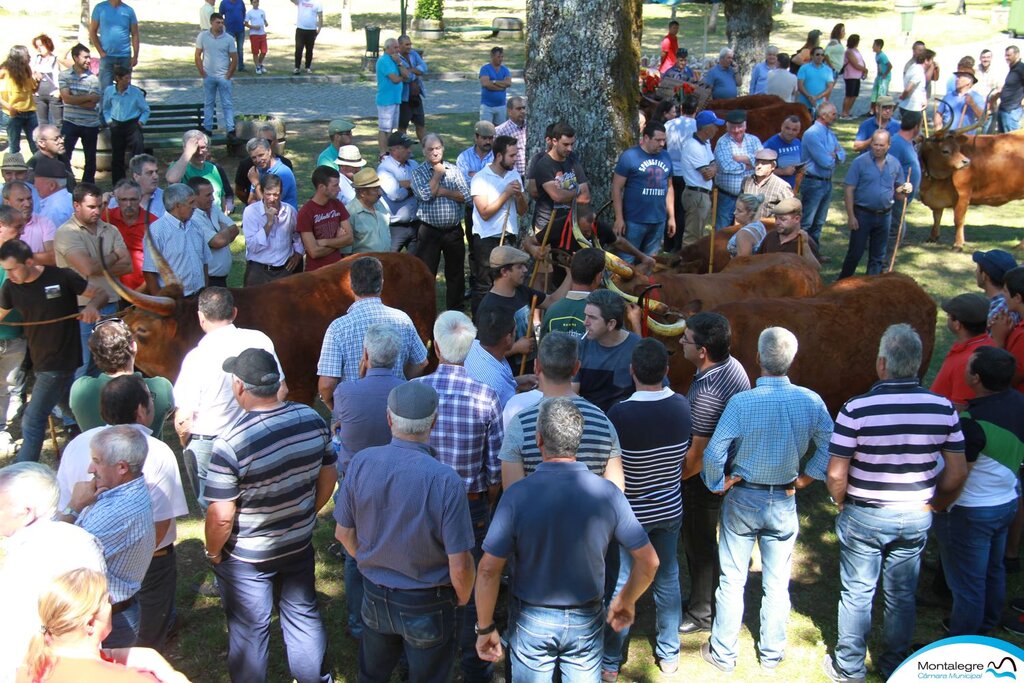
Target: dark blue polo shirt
x=556 y=525
x=361 y=407
x=410 y=513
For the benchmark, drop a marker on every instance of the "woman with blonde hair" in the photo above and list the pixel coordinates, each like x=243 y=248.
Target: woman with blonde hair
x=745 y=241
x=17 y=90
x=74 y=619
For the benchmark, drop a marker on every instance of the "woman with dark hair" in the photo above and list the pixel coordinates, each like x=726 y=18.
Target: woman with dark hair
x=666 y=110
x=855 y=70
x=835 y=50
x=803 y=55
x=46 y=68
x=16 y=91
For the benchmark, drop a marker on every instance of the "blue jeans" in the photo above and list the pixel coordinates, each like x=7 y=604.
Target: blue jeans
x=647 y=237
x=496 y=115
x=769 y=519
x=197 y=461
x=88 y=366
x=873 y=230
x=51 y=388
x=247 y=593
x=124 y=631
x=420 y=623
x=548 y=636
x=23 y=122
x=212 y=87
x=107 y=65
x=664 y=537
x=875 y=541
x=726 y=211
x=353 y=595
x=1009 y=120
x=240 y=48
x=972 y=542
x=815 y=195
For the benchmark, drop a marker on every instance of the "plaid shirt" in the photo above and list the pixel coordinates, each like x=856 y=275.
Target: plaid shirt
x=343 y=342
x=731 y=173
x=121 y=519
x=511 y=129
x=440 y=212
x=468 y=433
x=772 y=191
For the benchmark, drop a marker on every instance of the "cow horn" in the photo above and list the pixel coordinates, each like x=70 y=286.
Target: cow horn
x=166 y=272
x=618 y=266
x=576 y=232
x=161 y=305
x=666 y=330
x=653 y=305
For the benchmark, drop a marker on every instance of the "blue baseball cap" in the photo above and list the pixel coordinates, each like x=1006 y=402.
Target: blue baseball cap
x=995 y=262
x=706 y=118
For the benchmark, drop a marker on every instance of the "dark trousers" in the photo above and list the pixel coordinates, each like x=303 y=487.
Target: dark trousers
x=304 y=40
x=405 y=235
x=419 y=623
x=72 y=133
x=448 y=241
x=480 y=265
x=156 y=600
x=125 y=138
x=218 y=280
x=675 y=243
x=701 y=510
x=247 y=594
x=474 y=669
x=470 y=238
x=873 y=235
x=261 y=274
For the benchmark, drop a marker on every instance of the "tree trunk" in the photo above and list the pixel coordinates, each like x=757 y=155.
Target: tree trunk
x=83 y=23
x=346 y=16
x=713 y=18
x=748 y=23
x=582 y=67
x=787 y=7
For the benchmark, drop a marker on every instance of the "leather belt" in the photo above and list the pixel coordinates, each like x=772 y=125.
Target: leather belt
x=861 y=503
x=765 y=487
x=165 y=551
x=404 y=224
x=119 y=607
x=697 y=189
x=264 y=266
x=477 y=496
x=728 y=194
x=202 y=437
x=439 y=228
x=876 y=212
x=819 y=177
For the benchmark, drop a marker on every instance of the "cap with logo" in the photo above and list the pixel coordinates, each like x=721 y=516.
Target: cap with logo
x=398 y=138
x=708 y=118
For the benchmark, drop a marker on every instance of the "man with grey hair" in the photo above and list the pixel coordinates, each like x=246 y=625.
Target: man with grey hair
x=557 y=524
x=144 y=170
x=265 y=162
x=391 y=76
x=50 y=145
x=467 y=438
x=194 y=162
x=243 y=181
x=120 y=516
x=180 y=240
x=259 y=525
x=883 y=521
x=36 y=230
x=51 y=183
x=38 y=549
x=759 y=484
x=759 y=74
x=413 y=549
x=723 y=78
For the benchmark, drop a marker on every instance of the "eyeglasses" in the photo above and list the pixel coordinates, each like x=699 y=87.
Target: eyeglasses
x=687 y=342
x=818 y=54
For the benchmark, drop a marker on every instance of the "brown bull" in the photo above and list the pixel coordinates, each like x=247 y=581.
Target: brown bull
x=959 y=170
x=294 y=312
x=838 y=330
x=695 y=258
x=747 y=102
x=765 y=122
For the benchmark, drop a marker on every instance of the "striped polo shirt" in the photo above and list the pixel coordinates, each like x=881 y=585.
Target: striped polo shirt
x=652 y=458
x=710 y=390
x=268 y=464
x=894 y=435
x=600 y=440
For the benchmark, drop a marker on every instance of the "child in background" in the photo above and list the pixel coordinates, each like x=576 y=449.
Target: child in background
x=881 y=86
x=256 y=22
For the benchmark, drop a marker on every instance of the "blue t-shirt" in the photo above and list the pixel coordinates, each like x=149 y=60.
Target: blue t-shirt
x=873 y=188
x=909 y=161
x=115 y=28
x=868 y=128
x=234 y=16
x=722 y=82
x=789 y=154
x=493 y=98
x=647 y=177
x=604 y=377
x=556 y=525
x=388 y=93
x=815 y=79
x=289 y=192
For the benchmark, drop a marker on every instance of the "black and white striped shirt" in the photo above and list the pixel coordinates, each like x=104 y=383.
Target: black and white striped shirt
x=710 y=390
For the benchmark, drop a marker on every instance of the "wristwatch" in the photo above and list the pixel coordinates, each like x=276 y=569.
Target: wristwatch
x=71 y=512
x=486 y=630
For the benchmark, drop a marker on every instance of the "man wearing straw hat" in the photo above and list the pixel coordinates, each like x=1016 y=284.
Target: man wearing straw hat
x=963 y=106
x=369 y=215
x=349 y=162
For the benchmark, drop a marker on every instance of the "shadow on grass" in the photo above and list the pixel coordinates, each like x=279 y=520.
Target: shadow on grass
x=850 y=10
x=171 y=33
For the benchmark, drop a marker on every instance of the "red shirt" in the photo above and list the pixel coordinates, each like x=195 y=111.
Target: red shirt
x=133 y=235
x=950 y=380
x=1015 y=345
x=323 y=222
x=669 y=46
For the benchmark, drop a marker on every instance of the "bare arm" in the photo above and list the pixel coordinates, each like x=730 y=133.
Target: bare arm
x=224 y=237
x=695 y=456
x=183 y=425
x=47 y=257
x=463 y=574
x=511 y=472
x=94 y=37
x=836 y=480
x=558 y=194
x=161 y=528
x=199 y=63
x=613 y=473
x=325 y=483
x=413 y=370
x=488 y=583
x=622 y=610
x=220 y=517
x=325 y=387
x=618 y=185
x=347 y=537
x=135 y=44
x=951 y=480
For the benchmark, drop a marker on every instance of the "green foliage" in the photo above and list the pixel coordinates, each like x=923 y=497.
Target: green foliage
x=430 y=9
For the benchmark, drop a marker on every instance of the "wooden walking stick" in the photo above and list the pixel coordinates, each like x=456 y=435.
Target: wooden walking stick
x=544 y=240
x=714 y=211
x=800 y=244
x=899 y=230
x=529 y=332
x=504 y=227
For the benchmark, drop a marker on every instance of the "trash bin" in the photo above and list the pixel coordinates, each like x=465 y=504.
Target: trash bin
x=372 y=41
x=1016 y=22
x=906 y=10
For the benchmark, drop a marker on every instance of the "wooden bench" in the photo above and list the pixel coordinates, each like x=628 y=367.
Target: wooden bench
x=167 y=123
x=498 y=25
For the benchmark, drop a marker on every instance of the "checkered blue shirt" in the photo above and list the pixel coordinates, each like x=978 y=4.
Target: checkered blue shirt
x=732 y=173
x=765 y=432
x=441 y=212
x=468 y=433
x=122 y=520
x=343 y=341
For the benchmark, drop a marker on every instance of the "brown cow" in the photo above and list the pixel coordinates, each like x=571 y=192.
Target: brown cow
x=696 y=257
x=838 y=330
x=959 y=170
x=747 y=102
x=767 y=121
x=294 y=312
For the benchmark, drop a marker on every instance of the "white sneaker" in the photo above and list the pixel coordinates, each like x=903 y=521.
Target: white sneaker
x=308 y=70
x=295 y=72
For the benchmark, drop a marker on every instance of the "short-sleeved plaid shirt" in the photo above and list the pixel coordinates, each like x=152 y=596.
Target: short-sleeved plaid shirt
x=343 y=341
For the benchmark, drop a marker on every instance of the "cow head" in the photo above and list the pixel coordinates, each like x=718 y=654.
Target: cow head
x=943 y=156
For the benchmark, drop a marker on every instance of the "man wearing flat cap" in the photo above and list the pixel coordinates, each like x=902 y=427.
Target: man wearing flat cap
x=967 y=320
x=404 y=516
x=470 y=162
x=882 y=120
x=788 y=237
x=51 y=182
x=340 y=133
x=734 y=153
x=259 y=524
x=765 y=183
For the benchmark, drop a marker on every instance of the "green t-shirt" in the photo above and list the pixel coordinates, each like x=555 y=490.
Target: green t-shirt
x=328 y=157
x=6 y=331
x=566 y=315
x=211 y=173
x=85 y=401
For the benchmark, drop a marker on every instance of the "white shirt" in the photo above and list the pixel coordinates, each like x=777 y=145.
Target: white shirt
x=518 y=404
x=308 y=9
x=489 y=185
x=400 y=200
x=220 y=259
x=782 y=83
x=918 y=99
x=347 y=193
x=34 y=557
x=205 y=389
x=277 y=247
x=696 y=154
x=676 y=132
x=160 y=472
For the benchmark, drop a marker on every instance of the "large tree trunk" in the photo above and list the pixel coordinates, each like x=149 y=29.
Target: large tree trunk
x=582 y=67
x=787 y=7
x=346 y=16
x=748 y=23
x=83 y=23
